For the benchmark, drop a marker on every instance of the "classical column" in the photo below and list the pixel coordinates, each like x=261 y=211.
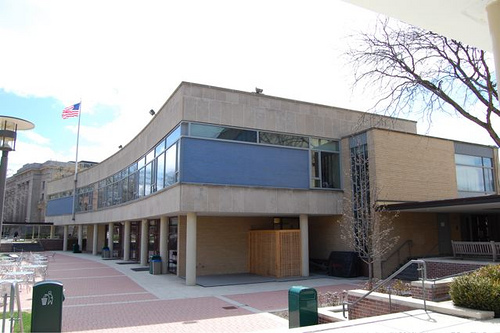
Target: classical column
x=80 y=236
x=126 y=241
x=164 y=243
x=94 y=239
x=191 y=249
x=144 y=241
x=65 y=238
x=110 y=238
x=304 y=244
x=493 y=12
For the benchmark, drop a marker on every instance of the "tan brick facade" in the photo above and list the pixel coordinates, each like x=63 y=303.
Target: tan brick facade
x=409 y=167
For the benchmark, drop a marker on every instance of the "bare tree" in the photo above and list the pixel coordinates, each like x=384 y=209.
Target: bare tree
x=415 y=70
x=364 y=226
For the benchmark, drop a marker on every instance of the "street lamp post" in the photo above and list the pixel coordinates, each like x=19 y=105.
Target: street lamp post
x=8 y=135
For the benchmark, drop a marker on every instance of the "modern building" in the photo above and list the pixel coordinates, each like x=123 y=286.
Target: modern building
x=223 y=181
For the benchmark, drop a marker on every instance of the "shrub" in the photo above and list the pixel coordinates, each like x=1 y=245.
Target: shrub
x=479 y=290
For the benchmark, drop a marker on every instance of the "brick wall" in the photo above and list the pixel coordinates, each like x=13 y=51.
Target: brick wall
x=370 y=307
x=435 y=292
x=441 y=268
x=411 y=167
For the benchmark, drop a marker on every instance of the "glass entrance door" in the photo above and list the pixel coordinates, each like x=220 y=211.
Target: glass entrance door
x=134 y=240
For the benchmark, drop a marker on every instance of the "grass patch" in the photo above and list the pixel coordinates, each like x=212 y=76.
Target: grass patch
x=26 y=316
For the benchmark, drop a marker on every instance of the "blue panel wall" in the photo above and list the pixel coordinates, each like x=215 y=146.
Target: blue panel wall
x=61 y=206
x=231 y=163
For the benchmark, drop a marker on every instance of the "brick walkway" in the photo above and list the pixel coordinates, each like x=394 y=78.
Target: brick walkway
x=101 y=298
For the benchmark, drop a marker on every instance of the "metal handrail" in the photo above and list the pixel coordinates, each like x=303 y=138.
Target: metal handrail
x=410 y=244
x=397 y=251
x=387 y=280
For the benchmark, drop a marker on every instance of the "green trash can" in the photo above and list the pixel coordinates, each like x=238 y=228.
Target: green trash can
x=76 y=248
x=155 y=265
x=46 y=306
x=302 y=307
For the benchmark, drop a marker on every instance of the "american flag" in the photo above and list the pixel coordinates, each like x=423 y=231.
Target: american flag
x=71 y=111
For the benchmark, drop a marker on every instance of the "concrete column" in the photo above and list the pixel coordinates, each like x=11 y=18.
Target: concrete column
x=126 y=241
x=191 y=249
x=52 y=231
x=110 y=238
x=65 y=238
x=164 y=244
x=144 y=242
x=493 y=12
x=95 y=239
x=304 y=244
x=80 y=236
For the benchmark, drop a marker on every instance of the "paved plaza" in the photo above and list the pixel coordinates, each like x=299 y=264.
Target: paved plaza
x=104 y=296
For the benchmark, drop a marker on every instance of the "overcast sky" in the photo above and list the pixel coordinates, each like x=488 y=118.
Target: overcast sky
x=122 y=58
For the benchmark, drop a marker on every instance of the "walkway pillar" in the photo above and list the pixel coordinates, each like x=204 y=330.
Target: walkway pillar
x=126 y=241
x=111 y=226
x=52 y=231
x=191 y=249
x=94 y=239
x=493 y=12
x=144 y=242
x=65 y=238
x=80 y=236
x=164 y=243
x=304 y=244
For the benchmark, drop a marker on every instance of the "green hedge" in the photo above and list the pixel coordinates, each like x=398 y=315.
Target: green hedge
x=479 y=290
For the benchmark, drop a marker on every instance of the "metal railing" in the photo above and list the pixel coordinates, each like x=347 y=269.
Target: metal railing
x=397 y=252
x=15 y=300
x=423 y=268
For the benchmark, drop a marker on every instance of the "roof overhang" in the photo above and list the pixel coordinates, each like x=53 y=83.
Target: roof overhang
x=475 y=205
x=464 y=20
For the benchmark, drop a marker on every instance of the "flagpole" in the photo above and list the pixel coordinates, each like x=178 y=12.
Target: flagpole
x=76 y=161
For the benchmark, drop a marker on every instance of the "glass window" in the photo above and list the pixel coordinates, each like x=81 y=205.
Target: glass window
x=330 y=173
x=224 y=133
x=171 y=166
x=173 y=137
x=132 y=168
x=323 y=144
x=315 y=177
x=284 y=140
x=150 y=156
x=133 y=182
x=124 y=183
x=160 y=147
x=141 y=162
x=160 y=171
x=325 y=168
x=468 y=160
x=470 y=179
x=142 y=173
x=149 y=178
x=474 y=174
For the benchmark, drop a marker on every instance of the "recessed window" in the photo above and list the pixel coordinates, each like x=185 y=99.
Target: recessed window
x=224 y=133
x=284 y=139
x=474 y=175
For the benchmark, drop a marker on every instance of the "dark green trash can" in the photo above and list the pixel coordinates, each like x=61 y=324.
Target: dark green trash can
x=302 y=307
x=46 y=306
x=155 y=265
x=76 y=248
